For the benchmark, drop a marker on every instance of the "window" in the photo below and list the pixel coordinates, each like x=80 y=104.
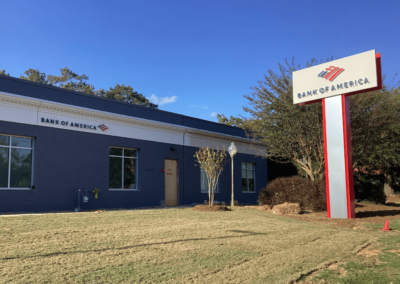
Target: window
x=122 y=169
x=204 y=182
x=15 y=162
x=248 y=177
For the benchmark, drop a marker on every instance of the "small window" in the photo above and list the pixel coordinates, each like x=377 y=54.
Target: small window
x=122 y=169
x=16 y=155
x=204 y=182
x=248 y=177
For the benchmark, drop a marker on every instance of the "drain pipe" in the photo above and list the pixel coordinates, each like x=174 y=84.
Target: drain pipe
x=79 y=201
x=183 y=162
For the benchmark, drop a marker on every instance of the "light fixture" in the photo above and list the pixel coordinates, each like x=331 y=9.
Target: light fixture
x=232 y=152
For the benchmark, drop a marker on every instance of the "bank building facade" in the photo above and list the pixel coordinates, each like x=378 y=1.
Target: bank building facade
x=60 y=149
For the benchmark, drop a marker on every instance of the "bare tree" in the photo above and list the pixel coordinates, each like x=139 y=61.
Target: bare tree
x=212 y=162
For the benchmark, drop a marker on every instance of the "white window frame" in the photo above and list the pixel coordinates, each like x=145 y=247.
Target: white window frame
x=122 y=168
x=205 y=190
x=247 y=176
x=9 y=161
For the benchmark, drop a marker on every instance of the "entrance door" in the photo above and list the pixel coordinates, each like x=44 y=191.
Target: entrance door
x=171 y=188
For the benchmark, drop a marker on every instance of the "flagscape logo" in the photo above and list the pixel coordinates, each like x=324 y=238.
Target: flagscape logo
x=331 y=73
x=102 y=127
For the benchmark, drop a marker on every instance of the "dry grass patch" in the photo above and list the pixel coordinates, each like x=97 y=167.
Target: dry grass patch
x=172 y=245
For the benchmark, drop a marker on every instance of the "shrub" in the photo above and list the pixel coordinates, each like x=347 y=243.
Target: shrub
x=368 y=189
x=310 y=195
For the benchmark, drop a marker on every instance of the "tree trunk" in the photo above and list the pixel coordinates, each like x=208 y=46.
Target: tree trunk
x=387 y=187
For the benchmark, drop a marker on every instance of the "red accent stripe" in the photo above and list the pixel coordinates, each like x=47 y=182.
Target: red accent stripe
x=348 y=159
x=328 y=202
x=330 y=68
x=330 y=73
x=336 y=74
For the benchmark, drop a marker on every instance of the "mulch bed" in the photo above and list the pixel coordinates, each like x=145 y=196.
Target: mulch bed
x=365 y=213
x=212 y=208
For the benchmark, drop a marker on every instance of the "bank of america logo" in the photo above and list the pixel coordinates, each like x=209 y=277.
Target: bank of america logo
x=102 y=127
x=331 y=73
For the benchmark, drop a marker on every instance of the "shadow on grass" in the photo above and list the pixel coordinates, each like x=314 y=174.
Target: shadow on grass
x=393 y=204
x=245 y=234
x=381 y=213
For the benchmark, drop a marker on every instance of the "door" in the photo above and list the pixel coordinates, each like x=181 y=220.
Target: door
x=171 y=183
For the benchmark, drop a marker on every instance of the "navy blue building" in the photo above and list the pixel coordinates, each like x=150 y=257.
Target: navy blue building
x=54 y=142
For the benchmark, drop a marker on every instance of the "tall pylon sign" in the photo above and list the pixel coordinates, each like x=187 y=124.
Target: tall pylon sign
x=332 y=83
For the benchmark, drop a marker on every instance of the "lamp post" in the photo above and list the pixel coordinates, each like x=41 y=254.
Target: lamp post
x=232 y=152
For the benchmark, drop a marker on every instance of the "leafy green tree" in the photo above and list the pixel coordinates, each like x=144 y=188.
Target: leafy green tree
x=125 y=94
x=71 y=81
x=375 y=123
x=34 y=75
x=292 y=132
x=231 y=121
x=3 y=72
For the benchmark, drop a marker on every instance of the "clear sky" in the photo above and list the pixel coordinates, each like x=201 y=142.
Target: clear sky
x=200 y=56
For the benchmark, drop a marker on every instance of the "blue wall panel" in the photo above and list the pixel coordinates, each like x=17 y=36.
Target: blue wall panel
x=192 y=179
x=66 y=160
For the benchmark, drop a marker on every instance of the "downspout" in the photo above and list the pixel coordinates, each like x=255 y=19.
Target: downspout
x=183 y=163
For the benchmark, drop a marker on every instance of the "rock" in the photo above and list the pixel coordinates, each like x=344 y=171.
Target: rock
x=286 y=208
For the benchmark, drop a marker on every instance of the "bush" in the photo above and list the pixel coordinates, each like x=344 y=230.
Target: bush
x=310 y=195
x=368 y=189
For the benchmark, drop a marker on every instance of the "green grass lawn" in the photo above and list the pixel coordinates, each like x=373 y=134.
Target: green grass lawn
x=182 y=246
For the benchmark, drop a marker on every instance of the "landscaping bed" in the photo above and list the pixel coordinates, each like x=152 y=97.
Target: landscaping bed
x=365 y=213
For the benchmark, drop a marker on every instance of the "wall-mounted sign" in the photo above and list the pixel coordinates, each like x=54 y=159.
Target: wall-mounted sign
x=346 y=75
x=73 y=124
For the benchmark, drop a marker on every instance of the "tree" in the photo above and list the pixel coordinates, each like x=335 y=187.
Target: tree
x=3 y=72
x=294 y=133
x=71 y=81
x=125 y=94
x=231 y=121
x=34 y=75
x=212 y=162
x=375 y=123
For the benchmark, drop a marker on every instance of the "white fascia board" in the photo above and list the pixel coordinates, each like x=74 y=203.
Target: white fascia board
x=21 y=109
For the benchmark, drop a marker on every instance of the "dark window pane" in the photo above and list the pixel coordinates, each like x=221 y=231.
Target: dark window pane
x=244 y=180
x=203 y=180
x=21 y=142
x=130 y=173
x=5 y=140
x=21 y=168
x=116 y=151
x=3 y=167
x=244 y=166
x=115 y=173
x=129 y=153
x=251 y=180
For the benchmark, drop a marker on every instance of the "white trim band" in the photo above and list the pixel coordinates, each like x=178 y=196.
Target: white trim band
x=21 y=109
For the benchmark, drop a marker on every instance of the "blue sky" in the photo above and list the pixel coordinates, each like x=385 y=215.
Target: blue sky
x=201 y=56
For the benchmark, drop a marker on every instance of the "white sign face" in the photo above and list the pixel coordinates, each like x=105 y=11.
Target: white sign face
x=346 y=75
